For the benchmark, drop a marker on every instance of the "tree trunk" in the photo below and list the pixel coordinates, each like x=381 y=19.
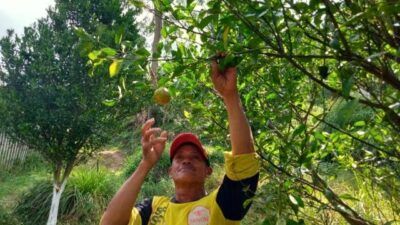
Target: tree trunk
x=55 y=202
x=156 y=40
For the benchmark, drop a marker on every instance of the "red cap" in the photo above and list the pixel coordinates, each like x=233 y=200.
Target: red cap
x=187 y=138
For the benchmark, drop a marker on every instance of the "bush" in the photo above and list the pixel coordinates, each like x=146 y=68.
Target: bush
x=34 y=205
x=6 y=218
x=83 y=201
x=164 y=187
x=156 y=174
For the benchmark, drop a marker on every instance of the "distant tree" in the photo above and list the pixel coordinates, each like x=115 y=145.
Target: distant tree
x=48 y=100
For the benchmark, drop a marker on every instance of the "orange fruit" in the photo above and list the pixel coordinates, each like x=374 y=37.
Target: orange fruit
x=162 y=96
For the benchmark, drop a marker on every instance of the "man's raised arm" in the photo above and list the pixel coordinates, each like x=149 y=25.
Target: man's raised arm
x=239 y=129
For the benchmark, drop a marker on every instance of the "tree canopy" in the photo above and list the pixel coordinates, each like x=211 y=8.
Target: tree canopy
x=49 y=101
x=320 y=84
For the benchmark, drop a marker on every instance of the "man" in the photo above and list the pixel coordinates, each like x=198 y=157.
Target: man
x=191 y=205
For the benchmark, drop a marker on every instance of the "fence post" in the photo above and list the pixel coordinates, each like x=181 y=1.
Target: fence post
x=11 y=151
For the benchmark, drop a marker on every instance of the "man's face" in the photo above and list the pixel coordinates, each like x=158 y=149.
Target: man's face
x=188 y=165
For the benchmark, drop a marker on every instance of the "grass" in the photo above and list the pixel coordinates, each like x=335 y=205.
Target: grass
x=11 y=185
x=19 y=179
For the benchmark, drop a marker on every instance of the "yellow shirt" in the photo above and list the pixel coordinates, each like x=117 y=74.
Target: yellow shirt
x=226 y=205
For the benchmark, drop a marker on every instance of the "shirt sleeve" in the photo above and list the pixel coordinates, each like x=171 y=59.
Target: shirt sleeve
x=141 y=213
x=239 y=185
x=239 y=167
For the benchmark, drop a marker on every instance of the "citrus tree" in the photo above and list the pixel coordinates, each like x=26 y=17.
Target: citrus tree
x=48 y=99
x=320 y=83
x=321 y=87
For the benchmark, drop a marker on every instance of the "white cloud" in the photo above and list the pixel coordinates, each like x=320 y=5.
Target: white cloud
x=17 y=14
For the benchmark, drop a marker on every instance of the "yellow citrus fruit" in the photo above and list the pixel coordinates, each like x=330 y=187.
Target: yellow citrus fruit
x=162 y=96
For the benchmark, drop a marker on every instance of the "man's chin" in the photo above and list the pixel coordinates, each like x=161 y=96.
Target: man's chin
x=185 y=177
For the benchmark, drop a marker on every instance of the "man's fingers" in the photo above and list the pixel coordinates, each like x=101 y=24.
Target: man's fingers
x=164 y=134
x=159 y=140
x=147 y=125
x=214 y=67
x=149 y=133
x=231 y=71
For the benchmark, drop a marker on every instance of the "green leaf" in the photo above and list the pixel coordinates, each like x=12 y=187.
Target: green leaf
x=109 y=102
x=142 y=52
x=319 y=136
x=271 y=96
x=182 y=49
x=359 y=123
x=115 y=67
x=137 y=3
x=80 y=32
x=300 y=129
x=225 y=36
x=347 y=84
x=178 y=70
x=206 y=20
x=118 y=36
x=94 y=55
x=348 y=196
x=166 y=3
x=164 y=32
x=109 y=51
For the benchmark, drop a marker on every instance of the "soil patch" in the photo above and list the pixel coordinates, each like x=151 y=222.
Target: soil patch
x=112 y=159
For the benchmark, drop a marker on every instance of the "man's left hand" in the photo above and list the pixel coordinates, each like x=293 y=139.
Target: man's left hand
x=224 y=81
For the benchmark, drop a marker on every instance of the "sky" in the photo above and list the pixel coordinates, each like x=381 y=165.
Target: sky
x=17 y=14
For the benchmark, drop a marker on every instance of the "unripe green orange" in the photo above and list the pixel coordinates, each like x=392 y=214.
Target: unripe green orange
x=162 y=96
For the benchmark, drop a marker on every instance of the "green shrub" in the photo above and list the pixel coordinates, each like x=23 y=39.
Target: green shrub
x=34 y=205
x=163 y=187
x=84 y=199
x=155 y=175
x=90 y=181
x=216 y=156
x=6 y=218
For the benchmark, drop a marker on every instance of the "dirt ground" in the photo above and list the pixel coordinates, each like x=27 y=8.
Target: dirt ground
x=112 y=159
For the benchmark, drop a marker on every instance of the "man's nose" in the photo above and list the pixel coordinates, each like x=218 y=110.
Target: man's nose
x=187 y=161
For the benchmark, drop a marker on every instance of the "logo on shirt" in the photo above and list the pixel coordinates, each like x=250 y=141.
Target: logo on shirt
x=158 y=216
x=199 y=216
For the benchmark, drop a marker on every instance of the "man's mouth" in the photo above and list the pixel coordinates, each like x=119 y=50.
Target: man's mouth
x=187 y=168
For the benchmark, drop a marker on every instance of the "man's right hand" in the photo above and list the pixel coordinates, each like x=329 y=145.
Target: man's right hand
x=119 y=209
x=152 y=145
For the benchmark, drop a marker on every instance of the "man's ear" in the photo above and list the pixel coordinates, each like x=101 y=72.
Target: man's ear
x=169 y=171
x=209 y=171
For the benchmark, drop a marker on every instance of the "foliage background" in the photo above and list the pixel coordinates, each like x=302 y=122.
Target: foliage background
x=319 y=81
